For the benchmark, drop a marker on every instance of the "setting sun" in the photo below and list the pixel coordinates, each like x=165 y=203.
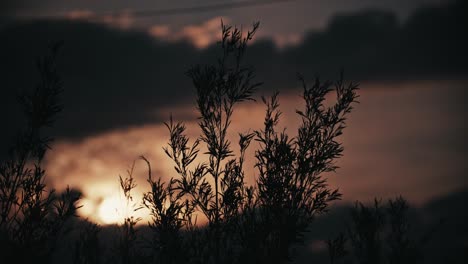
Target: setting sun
x=110 y=210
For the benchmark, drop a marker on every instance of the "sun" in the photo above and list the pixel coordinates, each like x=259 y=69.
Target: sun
x=110 y=210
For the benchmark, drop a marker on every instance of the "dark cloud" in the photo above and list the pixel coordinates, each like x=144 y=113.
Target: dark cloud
x=373 y=45
x=7 y=8
x=112 y=78
x=116 y=78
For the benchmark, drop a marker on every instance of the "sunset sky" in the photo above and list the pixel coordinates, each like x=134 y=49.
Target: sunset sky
x=123 y=65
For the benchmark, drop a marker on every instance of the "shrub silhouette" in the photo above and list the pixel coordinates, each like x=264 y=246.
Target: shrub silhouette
x=87 y=247
x=32 y=217
x=378 y=234
x=246 y=224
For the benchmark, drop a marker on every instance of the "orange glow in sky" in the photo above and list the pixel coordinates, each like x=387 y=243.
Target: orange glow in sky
x=398 y=141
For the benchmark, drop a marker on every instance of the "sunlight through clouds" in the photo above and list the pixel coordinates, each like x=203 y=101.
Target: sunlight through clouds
x=201 y=35
x=395 y=138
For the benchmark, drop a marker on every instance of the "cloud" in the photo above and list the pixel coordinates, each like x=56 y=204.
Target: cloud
x=201 y=36
x=406 y=141
x=79 y=14
x=283 y=41
x=93 y=165
x=122 y=78
x=372 y=44
x=113 y=78
x=160 y=31
x=124 y=20
x=208 y=34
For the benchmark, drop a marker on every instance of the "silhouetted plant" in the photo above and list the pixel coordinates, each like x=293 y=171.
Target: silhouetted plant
x=402 y=247
x=126 y=248
x=32 y=217
x=336 y=248
x=169 y=214
x=378 y=234
x=256 y=224
x=216 y=188
x=291 y=187
x=366 y=232
x=219 y=87
x=87 y=248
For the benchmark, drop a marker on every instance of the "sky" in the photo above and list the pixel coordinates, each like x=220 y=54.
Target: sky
x=285 y=21
x=124 y=74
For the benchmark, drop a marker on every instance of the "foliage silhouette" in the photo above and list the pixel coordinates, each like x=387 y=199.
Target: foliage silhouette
x=260 y=223
x=125 y=248
x=379 y=234
x=32 y=217
x=87 y=247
